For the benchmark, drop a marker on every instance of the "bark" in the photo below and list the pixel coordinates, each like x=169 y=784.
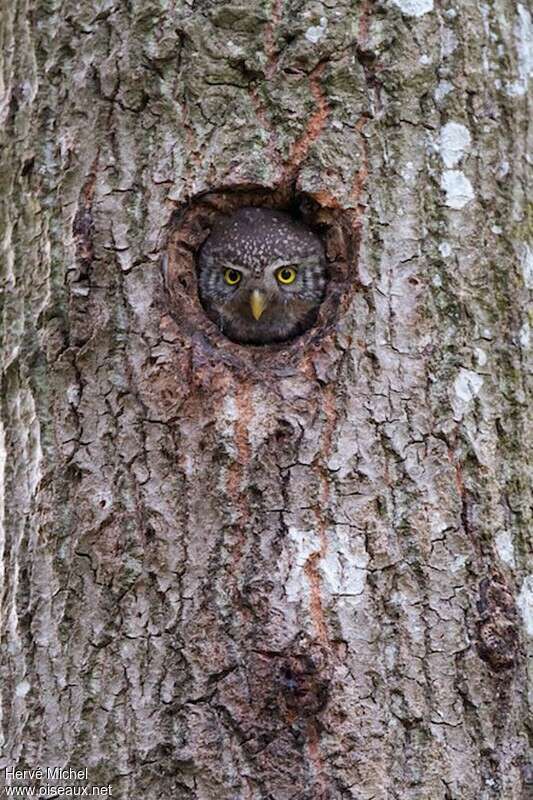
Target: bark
x=297 y=572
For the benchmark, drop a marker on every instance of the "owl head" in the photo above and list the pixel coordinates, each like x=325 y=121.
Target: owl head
x=262 y=276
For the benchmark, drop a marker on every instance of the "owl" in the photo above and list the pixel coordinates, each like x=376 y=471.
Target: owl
x=261 y=276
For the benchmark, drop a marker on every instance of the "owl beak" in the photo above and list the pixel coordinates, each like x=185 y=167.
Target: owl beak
x=258 y=303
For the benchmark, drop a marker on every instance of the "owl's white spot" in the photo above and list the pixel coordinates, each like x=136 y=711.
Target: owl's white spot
x=445 y=249
x=467 y=385
x=414 y=8
x=525 y=603
x=22 y=689
x=504 y=546
x=455 y=141
x=424 y=59
x=317 y=32
x=458 y=188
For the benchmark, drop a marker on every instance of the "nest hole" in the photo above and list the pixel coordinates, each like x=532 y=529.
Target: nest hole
x=338 y=230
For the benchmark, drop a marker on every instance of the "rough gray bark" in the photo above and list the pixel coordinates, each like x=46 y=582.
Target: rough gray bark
x=301 y=573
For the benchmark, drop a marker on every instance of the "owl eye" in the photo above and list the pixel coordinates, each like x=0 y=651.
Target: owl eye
x=232 y=276
x=286 y=275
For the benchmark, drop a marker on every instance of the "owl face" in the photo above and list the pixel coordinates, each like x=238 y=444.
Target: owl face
x=261 y=276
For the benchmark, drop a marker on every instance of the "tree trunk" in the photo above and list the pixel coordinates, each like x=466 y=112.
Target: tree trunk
x=299 y=571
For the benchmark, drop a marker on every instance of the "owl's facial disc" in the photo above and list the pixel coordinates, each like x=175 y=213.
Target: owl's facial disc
x=261 y=276
x=258 y=303
x=259 y=300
